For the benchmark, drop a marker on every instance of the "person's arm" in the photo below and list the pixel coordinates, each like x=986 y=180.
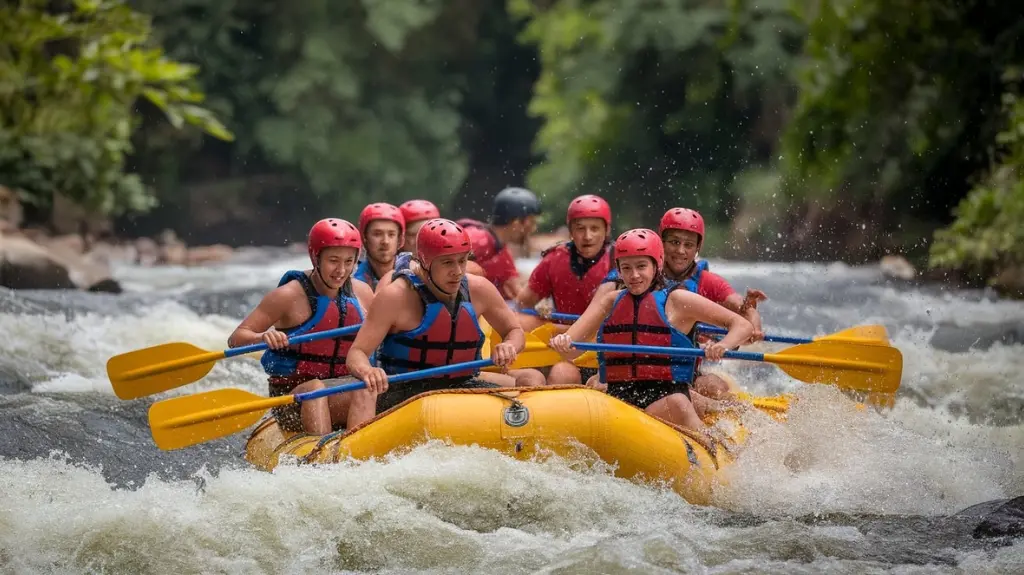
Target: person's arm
x=385 y=280
x=538 y=287
x=474 y=268
x=585 y=327
x=492 y=307
x=719 y=290
x=256 y=327
x=603 y=290
x=381 y=315
x=684 y=304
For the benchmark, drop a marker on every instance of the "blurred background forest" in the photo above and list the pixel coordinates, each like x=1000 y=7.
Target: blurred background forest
x=814 y=130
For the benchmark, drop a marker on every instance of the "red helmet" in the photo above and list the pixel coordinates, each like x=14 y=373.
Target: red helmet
x=381 y=211
x=440 y=237
x=416 y=210
x=684 y=219
x=640 y=242
x=589 y=206
x=332 y=233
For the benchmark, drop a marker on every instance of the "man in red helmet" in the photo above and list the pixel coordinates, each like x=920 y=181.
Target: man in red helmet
x=383 y=229
x=513 y=219
x=682 y=232
x=570 y=274
x=315 y=300
x=416 y=212
x=427 y=317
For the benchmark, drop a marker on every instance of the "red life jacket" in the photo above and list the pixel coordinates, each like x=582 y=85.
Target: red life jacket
x=493 y=256
x=321 y=359
x=641 y=320
x=443 y=337
x=573 y=281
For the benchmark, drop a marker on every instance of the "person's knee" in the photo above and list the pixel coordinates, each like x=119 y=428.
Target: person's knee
x=311 y=385
x=564 y=373
x=712 y=386
x=529 y=378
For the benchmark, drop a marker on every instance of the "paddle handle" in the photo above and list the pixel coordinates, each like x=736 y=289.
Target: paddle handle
x=554 y=316
x=393 y=379
x=660 y=350
x=714 y=329
x=336 y=332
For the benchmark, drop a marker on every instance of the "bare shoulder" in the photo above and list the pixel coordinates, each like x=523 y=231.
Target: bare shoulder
x=394 y=294
x=479 y=285
x=682 y=297
x=362 y=291
x=608 y=298
x=284 y=295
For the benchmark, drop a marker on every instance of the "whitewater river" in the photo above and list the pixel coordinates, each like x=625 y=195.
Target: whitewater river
x=836 y=490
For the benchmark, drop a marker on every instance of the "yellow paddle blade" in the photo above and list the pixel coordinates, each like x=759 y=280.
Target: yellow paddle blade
x=159 y=368
x=184 y=421
x=544 y=333
x=587 y=359
x=777 y=403
x=536 y=354
x=861 y=334
x=854 y=366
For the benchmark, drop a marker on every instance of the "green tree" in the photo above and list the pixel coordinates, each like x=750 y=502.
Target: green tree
x=69 y=82
x=355 y=100
x=655 y=104
x=988 y=235
x=897 y=111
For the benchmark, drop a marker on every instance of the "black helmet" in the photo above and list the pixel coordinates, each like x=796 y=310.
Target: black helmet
x=514 y=203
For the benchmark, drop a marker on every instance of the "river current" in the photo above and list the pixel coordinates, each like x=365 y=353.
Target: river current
x=834 y=490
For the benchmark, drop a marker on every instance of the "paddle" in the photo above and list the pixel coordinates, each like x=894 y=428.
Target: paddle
x=859 y=334
x=866 y=334
x=171 y=365
x=184 y=421
x=868 y=368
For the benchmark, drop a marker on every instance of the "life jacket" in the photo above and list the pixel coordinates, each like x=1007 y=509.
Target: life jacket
x=493 y=256
x=321 y=359
x=641 y=320
x=364 y=273
x=574 y=279
x=443 y=337
x=402 y=261
x=692 y=283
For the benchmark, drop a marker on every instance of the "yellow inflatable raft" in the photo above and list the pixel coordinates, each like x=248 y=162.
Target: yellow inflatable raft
x=521 y=423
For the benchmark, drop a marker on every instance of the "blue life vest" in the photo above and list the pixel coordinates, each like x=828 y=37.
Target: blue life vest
x=323 y=358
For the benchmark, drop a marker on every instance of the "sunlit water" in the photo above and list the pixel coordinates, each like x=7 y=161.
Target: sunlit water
x=835 y=490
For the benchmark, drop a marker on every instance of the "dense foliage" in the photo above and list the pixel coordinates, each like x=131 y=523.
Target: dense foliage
x=69 y=81
x=812 y=128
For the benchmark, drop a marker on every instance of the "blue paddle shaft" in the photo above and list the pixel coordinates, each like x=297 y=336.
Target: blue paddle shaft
x=659 y=350
x=702 y=327
x=393 y=379
x=554 y=316
x=336 y=332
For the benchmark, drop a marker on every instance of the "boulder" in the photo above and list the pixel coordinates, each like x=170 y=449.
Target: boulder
x=1005 y=520
x=1010 y=282
x=11 y=213
x=202 y=255
x=25 y=264
x=897 y=267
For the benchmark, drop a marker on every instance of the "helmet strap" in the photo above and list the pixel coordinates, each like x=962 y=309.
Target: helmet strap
x=430 y=278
